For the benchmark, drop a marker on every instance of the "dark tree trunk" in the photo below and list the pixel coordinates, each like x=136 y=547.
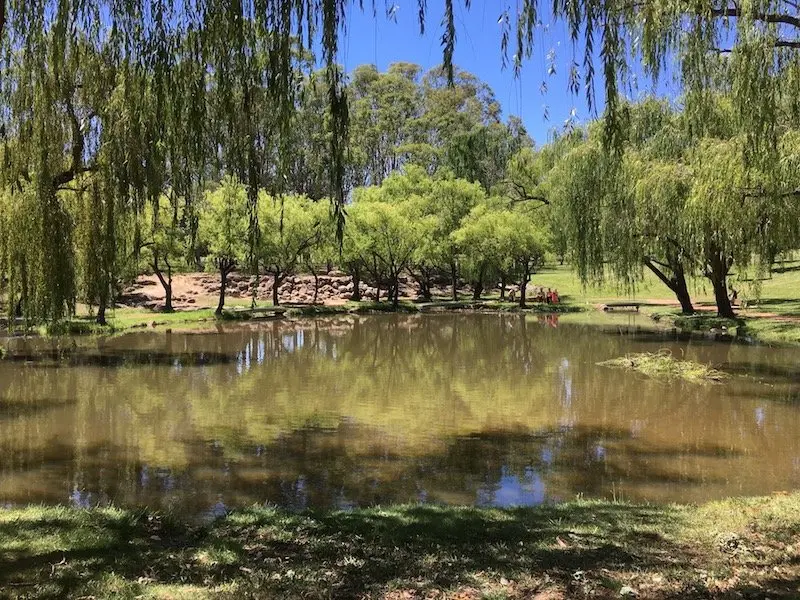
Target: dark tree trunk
x=316 y=286
x=427 y=295
x=676 y=282
x=223 y=281
x=424 y=282
x=523 y=286
x=168 y=298
x=166 y=282
x=478 y=288
x=682 y=293
x=502 y=287
x=724 y=307
x=276 y=283
x=101 y=310
x=717 y=273
x=378 y=289
x=396 y=290
x=454 y=280
x=356 y=275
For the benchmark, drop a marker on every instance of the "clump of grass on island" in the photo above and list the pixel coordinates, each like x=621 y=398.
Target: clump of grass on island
x=664 y=365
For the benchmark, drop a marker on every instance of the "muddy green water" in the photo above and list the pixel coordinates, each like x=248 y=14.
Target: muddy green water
x=463 y=409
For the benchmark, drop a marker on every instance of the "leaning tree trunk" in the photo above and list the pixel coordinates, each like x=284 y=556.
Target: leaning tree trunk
x=718 y=274
x=676 y=282
x=166 y=283
x=454 y=280
x=682 y=293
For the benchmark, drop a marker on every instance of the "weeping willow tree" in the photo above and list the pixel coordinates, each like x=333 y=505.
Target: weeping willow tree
x=108 y=105
x=147 y=96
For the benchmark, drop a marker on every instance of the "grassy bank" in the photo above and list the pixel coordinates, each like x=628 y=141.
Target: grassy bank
x=730 y=549
x=125 y=319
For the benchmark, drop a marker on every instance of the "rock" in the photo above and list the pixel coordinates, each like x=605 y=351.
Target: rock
x=336 y=273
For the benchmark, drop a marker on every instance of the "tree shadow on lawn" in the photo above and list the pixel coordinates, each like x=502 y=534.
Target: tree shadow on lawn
x=344 y=554
x=264 y=553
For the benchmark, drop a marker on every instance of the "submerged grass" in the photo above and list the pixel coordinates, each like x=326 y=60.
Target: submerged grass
x=729 y=549
x=663 y=364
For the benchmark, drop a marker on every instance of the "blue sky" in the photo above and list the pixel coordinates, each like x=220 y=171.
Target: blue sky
x=381 y=41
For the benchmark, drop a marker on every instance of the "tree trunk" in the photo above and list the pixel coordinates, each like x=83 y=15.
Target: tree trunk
x=425 y=288
x=223 y=280
x=101 y=310
x=676 y=283
x=316 y=286
x=166 y=282
x=523 y=286
x=502 y=288
x=276 y=283
x=454 y=279
x=478 y=287
x=168 y=299
x=396 y=290
x=356 y=275
x=682 y=293
x=718 y=274
x=378 y=290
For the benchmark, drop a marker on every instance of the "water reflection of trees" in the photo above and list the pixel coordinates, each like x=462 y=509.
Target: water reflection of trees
x=447 y=408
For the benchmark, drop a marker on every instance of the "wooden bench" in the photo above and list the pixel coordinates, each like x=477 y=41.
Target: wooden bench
x=622 y=305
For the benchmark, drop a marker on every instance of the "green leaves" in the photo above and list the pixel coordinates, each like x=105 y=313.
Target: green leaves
x=224 y=222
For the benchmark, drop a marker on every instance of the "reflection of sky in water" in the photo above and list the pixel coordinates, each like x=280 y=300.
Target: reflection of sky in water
x=761 y=415
x=81 y=498
x=218 y=509
x=513 y=491
x=294 y=341
x=295 y=493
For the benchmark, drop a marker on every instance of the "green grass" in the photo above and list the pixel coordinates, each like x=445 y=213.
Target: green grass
x=664 y=365
x=734 y=548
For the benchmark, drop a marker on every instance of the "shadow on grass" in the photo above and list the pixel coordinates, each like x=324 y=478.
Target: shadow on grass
x=345 y=554
x=577 y=548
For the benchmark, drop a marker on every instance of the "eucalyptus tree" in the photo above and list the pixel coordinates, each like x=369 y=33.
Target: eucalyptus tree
x=384 y=107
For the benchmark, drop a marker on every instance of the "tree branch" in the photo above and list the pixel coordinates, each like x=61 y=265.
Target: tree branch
x=77 y=167
x=525 y=195
x=735 y=12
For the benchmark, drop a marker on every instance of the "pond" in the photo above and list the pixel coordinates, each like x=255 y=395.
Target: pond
x=484 y=409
